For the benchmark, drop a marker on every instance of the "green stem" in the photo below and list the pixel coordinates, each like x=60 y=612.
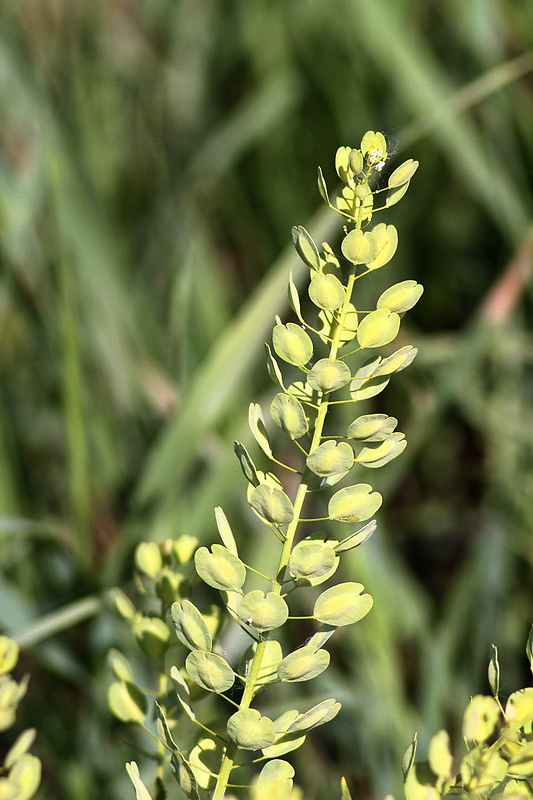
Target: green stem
x=253 y=676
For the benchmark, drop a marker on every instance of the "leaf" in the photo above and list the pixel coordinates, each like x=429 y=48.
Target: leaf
x=386 y=241
x=342 y=604
x=397 y=361
x=292 y=344
x=272 y=504
x=251 y=731
x=220 y=569
x=294 y=299
x=494 y=671
x=357 y=538
x=190 y=626
x=127 y=702
x=317 y=715
x=307 y=249
x=303 y=664
x=374 y=457
x=409 y=756
x=328 y=375
x=371 y=427
x=480 y=718
x=312 y=560
x=359 y=247
x=322 y=187
x=258 y=428
x=247 y=465
x=288 y=413
x=273 y=369
x=529 y=648
x=378 y=328
x=263 y=611
x=403 y=173
x=331 y=458
x=401 y=297
x=182 y=691
x=141 y=792
x=439 y=755
x=326 y=291
x=163 y=729
x=224 y=529
x=209 y=671
x=354 y=503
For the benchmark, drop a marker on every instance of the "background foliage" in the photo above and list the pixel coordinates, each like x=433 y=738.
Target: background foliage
x=153 y=158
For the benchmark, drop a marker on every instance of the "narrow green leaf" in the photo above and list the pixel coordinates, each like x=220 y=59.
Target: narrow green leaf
x=246 y=462
x=322 y=187
x=224 y=529
x=273 y=369
x=307 y=249
x=141 y=792
x=258 y=428
x=494 y=672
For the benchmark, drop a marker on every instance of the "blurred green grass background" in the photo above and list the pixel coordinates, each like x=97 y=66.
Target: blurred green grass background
x=153 y=158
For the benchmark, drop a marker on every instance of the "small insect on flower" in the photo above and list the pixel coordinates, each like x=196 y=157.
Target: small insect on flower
x=376 y=159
